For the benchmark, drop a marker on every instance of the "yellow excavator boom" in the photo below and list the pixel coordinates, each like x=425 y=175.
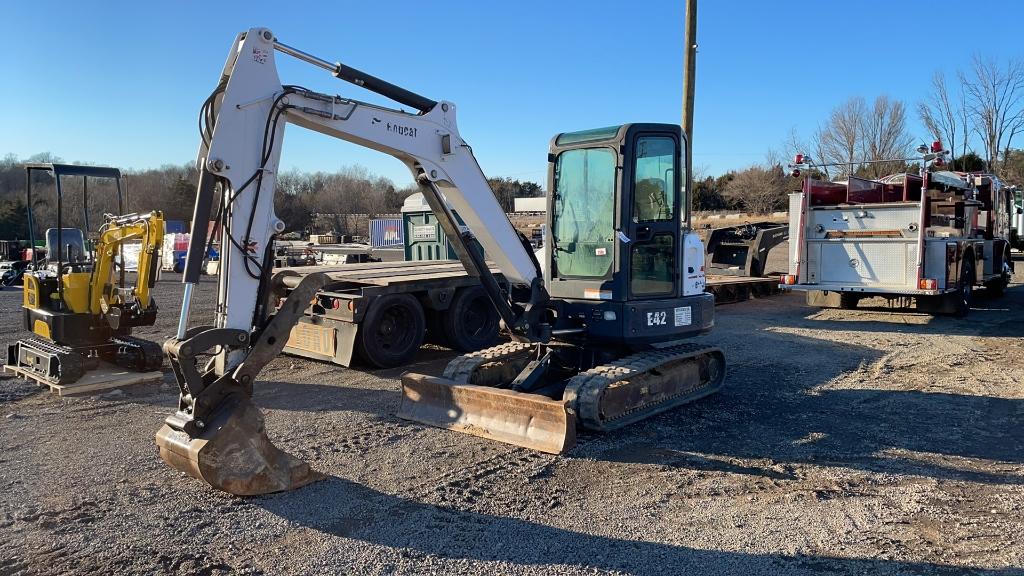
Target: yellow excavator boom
x=117 y=231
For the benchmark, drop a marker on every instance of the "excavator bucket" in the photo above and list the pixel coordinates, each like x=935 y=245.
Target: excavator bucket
x=234 y=454
x=528 y=420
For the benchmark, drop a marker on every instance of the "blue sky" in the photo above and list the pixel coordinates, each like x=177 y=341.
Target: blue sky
x=121 y=83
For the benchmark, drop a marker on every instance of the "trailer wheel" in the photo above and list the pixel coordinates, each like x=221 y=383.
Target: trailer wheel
x=962 y=297
x=471 y=322
x=848 y=301
x=392 y=331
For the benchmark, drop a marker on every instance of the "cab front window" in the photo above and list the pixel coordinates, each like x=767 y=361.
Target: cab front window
x=583 y=213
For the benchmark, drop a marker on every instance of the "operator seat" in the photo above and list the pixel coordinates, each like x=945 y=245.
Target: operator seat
x=73 y=251
x=651 y=201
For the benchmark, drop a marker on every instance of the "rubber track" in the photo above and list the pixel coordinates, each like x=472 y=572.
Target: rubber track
x=584 y=391
x=151 y=352
x=71 y=365
x=461 y=369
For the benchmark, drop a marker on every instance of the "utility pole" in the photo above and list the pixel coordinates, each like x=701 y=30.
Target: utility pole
x=689 y=77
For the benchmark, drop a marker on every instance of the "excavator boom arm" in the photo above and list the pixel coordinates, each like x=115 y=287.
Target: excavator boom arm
x=244 y=150
x=149 y=228
x=216 y=424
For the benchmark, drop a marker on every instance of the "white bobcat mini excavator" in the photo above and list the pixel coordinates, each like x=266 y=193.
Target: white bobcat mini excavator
x=598 y=336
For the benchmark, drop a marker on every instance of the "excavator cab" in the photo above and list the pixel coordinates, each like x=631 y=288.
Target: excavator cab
x=617 y=216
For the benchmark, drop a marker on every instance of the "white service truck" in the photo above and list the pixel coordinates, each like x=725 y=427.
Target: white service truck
x=933 y=237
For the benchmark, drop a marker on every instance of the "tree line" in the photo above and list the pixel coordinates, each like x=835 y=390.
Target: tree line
x=172 y=188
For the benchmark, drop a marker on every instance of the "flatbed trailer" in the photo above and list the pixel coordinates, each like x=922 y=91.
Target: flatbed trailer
x=933 y=238
x=383 y=312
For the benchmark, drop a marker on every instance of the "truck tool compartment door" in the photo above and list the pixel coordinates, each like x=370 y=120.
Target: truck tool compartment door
x=870 y=245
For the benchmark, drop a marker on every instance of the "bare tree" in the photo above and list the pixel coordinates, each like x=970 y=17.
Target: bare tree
x=939 y=114
x=964 y=118
x=760 y=188
x=884 y=136
x=995 y=98
x=840 y=138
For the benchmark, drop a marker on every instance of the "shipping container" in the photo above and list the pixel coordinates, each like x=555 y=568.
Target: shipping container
x=386 y=232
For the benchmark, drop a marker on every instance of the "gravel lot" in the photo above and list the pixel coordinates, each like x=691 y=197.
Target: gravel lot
x=845 y=442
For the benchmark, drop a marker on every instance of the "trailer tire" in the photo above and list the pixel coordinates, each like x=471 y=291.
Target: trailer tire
x=391 y=332
x=848 y=301
x=471 y=322
x=962 y=297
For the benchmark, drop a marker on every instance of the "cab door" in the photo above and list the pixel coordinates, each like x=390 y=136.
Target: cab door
x=651 y=182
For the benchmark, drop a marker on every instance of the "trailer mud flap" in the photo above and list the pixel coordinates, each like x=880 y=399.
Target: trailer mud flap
x=528 y=420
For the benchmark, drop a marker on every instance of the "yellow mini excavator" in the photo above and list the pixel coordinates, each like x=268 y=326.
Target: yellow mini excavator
x=76 y=302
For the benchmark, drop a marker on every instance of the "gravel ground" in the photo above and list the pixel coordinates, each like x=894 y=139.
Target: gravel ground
x=845 y=442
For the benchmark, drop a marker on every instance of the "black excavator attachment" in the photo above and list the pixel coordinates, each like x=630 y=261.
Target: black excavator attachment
x=743 y=250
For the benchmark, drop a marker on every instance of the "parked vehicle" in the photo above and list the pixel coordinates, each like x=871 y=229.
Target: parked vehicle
x=935 y=237
x=1016 y=211
x=12 y=272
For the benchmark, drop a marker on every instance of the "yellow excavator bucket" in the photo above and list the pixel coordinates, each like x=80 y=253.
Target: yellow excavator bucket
x=234 y=454
x=528 y=420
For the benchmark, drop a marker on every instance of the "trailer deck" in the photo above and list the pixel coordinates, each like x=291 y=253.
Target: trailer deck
x=726 y=288
x=371 y=309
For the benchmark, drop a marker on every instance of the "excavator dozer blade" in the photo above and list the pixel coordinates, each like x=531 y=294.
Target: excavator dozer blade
x=234 y=454
x=528 y=420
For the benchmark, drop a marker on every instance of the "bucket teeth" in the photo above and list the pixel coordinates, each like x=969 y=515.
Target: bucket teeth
x=234 y=454
x=528 y=420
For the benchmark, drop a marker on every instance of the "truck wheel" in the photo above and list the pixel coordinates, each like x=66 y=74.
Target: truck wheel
x=997 y=286
x=848 y=301
x=392 y=331
x=471 y=322
x=962 y=297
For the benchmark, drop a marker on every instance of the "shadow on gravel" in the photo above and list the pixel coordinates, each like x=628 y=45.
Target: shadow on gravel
x=338 y=507
x=989 y=317
x=777 y=409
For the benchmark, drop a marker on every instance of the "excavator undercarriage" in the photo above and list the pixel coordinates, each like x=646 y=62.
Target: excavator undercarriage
x=483 y=393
